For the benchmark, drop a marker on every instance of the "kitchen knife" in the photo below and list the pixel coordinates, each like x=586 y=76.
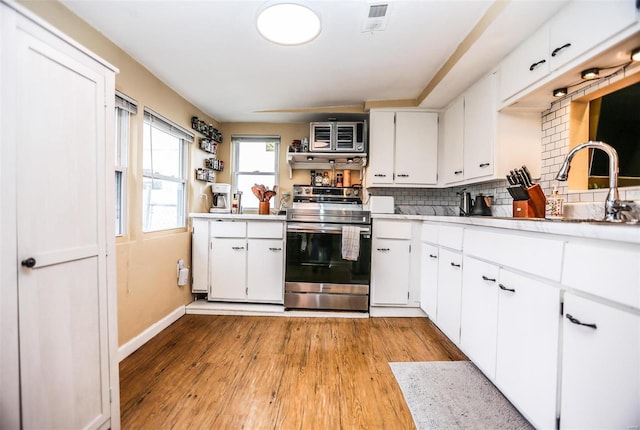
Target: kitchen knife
x=528 y=174
x=511 y=179
x=520 y=179
x=523 y=175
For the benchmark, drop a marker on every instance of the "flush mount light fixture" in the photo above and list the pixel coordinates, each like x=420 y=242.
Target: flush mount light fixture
x=309 y=158
x=291 y=22
x=593 y=73
x=560 y=92
x=635 y=54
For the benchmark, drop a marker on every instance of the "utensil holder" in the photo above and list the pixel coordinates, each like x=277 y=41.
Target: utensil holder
x=263 y=208
x=534 y=207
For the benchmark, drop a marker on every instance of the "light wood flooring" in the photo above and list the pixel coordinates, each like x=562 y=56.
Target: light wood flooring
x=244 y=372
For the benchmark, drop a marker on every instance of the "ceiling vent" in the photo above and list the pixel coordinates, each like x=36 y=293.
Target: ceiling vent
x=376 y=19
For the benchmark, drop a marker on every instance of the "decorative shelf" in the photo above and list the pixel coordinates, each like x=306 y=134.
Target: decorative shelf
x=300 y=160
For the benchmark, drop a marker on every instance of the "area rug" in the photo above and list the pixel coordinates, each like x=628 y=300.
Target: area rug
x=454 y=395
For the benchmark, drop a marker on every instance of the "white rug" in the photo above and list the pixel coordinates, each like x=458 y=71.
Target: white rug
x=454 y=395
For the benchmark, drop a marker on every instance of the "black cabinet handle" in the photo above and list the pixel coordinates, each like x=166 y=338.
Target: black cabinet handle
x=534 y=65
x=577 y=322
x=557 y=50
x=454 y=264
x=402 y=175
x=275 y=249
x=29 y=262
x=457 y=172
x=484 y=164
x=503 y=288
x=237 y=247
x=433 y=256
x=486 y=278
x=380 y=175
x=383 y=249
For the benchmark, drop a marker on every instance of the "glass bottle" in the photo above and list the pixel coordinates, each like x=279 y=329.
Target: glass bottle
x=325 y=179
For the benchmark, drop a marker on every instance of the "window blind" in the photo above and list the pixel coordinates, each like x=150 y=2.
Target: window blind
x=167 y=126
x=126 y=103
x=254 y=139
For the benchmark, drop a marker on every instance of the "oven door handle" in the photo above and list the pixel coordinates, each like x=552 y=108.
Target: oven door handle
x=323 y=228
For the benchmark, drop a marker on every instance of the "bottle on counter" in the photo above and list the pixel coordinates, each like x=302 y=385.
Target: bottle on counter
x=554 y=205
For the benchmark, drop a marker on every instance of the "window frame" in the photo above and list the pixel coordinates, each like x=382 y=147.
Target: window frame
x=125 y=109
x=157 y=121
x=236 y=141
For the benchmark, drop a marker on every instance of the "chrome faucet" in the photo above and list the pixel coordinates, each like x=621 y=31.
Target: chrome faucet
x=613 y=206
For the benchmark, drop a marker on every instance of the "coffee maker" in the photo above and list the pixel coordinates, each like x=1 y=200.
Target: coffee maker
x=221 y=198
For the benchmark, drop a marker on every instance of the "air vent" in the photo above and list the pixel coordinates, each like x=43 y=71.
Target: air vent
x=376 y=19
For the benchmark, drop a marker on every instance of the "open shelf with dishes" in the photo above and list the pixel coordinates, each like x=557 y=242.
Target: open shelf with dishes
x=326 y=161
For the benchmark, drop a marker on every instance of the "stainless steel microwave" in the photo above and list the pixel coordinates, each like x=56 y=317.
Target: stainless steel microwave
x=338 y=136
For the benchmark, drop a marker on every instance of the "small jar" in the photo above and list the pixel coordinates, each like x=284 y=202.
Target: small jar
x=554 y=205
x=325 y=179
x=318 y=179
x=338 y=179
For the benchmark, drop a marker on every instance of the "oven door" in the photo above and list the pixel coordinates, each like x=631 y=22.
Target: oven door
x=314 y=255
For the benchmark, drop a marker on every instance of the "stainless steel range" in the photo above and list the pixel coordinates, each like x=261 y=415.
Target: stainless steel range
x=328 y=263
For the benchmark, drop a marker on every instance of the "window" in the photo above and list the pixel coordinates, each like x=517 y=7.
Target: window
x=125 y=107
x=256 y=162
x=164 y=173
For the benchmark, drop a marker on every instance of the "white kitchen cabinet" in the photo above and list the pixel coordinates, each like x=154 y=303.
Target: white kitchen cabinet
x=199 y=256
x=403 y=148
x=527 y=346
x=449 y=293
x=568 y=36
x=479 y=314
x=600 y=366
x=492 y=142
x=429 y=280
x=246 y=261
x=58 y=330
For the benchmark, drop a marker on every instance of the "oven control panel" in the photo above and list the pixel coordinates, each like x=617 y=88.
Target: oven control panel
x=302 y=192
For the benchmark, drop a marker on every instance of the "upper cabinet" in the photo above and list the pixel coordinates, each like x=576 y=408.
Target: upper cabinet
x=578 y=28
x=478 y=143
x=403 y=148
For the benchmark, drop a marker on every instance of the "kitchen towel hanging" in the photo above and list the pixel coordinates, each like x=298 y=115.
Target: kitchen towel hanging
x=350 y=243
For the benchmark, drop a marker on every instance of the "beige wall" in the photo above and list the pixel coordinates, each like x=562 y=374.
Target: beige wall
x=146 y=263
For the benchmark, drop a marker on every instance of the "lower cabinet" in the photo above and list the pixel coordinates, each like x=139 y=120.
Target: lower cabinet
x=429 y=280
x=527 y=346
x=245 y=260
x=600 y=366
x=449 y=293
x=390 y=266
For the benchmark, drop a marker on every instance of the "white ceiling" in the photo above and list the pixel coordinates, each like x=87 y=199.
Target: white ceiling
x=210 y=52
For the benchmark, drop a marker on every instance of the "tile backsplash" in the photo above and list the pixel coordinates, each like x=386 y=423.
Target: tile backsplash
x=554 y=148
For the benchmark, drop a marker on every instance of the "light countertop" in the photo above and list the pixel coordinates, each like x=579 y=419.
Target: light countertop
x=244 y=217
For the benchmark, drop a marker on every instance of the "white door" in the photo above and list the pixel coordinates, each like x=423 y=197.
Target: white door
x=390 y=265
x=265 y=270
x=381 y=147
x=416 y=148
x=452 y=142
x=449 y=293
x=479 y=126
x=228 y=268
x=429 y=280
x=200 y=256
x=61 y=239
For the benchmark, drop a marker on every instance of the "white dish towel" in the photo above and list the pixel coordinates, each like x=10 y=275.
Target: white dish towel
x=350 y=243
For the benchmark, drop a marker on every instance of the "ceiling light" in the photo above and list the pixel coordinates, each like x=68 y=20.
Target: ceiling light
x=635 y=54
x=590 y=73
x=288 y=23
x=560 y=92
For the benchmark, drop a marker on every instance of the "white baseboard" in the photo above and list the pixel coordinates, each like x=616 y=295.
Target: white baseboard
x=130 y=347
x=390 y=311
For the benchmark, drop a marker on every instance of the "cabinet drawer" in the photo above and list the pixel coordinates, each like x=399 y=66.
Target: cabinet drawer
x=540 y=256
x=228 y=228
x=451 y=237
x=430 y=233
x=265 y=229
x=392 y=229
x=607 y=270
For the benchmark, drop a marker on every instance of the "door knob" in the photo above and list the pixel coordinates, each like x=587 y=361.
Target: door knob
x=29 y=262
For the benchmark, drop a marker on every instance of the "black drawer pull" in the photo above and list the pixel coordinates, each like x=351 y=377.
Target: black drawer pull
x=275 y=249
x=577 y=322
x=457 y=172
x=534 y=65
x=484 y=164
x=557 y=50
x=454 y=264
x=29 y=262
x=433 y=256
x=503 y=288
x=383 y=249
x=380 y=175
x=237 y=248
x=486 y=278
x=402 y=175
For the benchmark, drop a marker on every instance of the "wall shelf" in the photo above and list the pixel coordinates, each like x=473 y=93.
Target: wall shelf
x=300 y=160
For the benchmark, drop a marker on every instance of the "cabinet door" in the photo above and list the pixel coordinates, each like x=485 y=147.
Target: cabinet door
x=390 y=265
x=381 y=147
x=416 y=153
x=200 y=256
x=265 y=270
x=452 y=142
x=572 y=32
x=527 y=352
x=429 y=280
x=600 y=367
x=479 y=129
x=62 y=192
x=227 y=265
x=479 y=314
x=527 y=64
x=449 y=293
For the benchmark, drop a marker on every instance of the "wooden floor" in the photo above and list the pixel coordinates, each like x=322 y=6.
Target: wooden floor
x=243 y=372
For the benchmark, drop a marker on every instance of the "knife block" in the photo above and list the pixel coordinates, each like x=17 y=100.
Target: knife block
x=532 y=208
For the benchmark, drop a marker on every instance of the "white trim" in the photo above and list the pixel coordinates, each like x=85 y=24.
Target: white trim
x=130 y=347
x=390 y=311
